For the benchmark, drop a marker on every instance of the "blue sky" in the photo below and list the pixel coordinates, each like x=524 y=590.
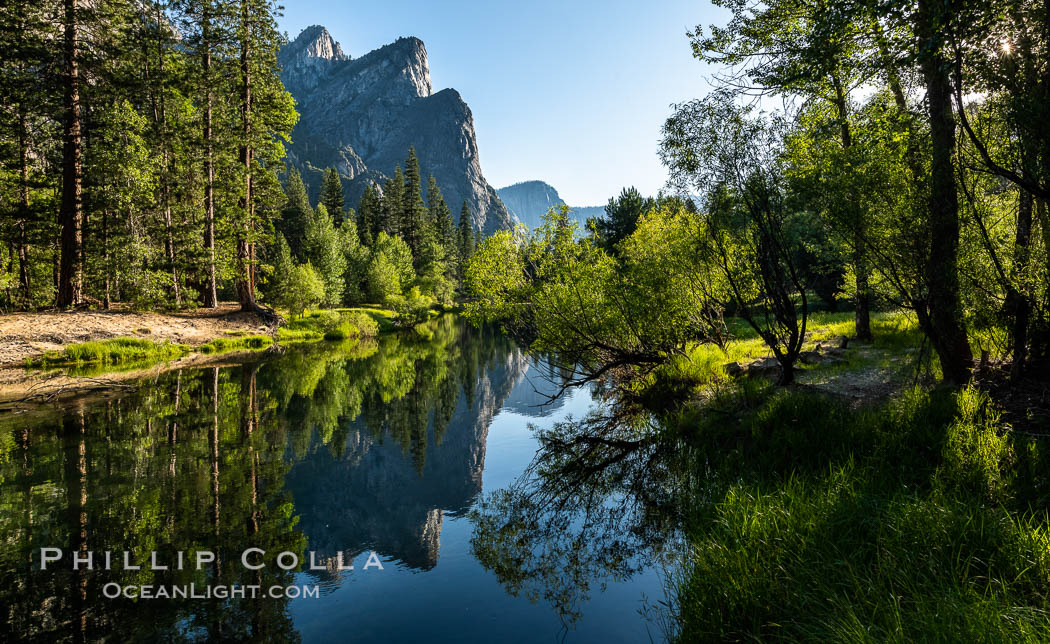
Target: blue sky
x=570 y=92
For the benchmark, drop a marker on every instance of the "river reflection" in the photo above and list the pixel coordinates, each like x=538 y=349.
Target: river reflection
x=338 y=450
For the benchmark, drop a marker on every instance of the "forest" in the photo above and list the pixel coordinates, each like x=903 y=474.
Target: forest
x=827 y=359
x=909 y=171
x=143 y=163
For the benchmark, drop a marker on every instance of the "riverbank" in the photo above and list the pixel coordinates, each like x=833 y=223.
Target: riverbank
x=31 y=335
x=106 y=349
x=861 y=502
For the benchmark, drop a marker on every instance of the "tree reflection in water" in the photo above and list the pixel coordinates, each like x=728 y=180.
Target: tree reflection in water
x=343 y=447
x=595 y=506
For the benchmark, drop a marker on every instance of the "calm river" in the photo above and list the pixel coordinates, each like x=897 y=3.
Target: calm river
x=377 y=455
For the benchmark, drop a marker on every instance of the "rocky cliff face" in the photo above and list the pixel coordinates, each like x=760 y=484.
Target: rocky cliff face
x=529 y=200
x=361 y=115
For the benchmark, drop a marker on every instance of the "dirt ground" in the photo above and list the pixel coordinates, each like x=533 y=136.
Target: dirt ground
x=23 y=335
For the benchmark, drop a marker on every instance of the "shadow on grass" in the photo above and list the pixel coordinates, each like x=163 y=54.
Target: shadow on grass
x=918 y=520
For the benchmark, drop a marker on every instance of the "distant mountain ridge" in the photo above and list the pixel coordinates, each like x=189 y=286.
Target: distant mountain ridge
x=361 y=115
x=529 y=200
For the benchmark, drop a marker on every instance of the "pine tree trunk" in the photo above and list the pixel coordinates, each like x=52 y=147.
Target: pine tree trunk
x=22 y=240
x=161 y=116
x=70 y=272
x=946 y=331
x=211 y=298
x=106 y=303
x=245 y=260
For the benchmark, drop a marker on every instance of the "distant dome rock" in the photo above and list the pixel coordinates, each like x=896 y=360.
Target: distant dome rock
x=528 y=201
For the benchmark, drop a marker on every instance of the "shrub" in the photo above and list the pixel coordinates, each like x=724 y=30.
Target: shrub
x=412 y=308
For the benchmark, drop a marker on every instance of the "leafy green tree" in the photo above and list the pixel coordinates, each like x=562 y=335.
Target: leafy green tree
x=716 y=146
x=279 y=276
x=332 y=195
x=325 y=252
x=390 y=268
x=306 y=288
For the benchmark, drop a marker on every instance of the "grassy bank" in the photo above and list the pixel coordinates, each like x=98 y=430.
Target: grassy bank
x=332 y=325
x=916 y=519
x=114 y=351
x=896 y=334
x=337 y=324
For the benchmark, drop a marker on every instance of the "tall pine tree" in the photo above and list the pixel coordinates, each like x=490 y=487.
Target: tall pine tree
x=465 y=238
x=332 y=195
x=440 y=216
x=296 y=215
x=413 y=218
x=390 y=213
x=369 y=212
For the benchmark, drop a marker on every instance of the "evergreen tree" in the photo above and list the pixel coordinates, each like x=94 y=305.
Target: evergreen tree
x=266 y=115
x=413 y=218
x=464 y=239
x=26 y=33
x=208 y=23
x=71 y=214
x=621 y=217
x=440 y=216
x=296 y=215
x=369 y=213
x=120 y=176
x=390 y=213
x=332 y=195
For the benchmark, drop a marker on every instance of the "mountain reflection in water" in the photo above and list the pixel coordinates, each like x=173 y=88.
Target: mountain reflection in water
x=325 y=448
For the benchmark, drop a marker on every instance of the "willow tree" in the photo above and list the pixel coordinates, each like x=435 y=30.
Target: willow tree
x=816 y=51
x=732 y=157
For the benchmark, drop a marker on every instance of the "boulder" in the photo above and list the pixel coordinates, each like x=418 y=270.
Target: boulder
x=764 y=368
x=733 y=369
x=809 y=357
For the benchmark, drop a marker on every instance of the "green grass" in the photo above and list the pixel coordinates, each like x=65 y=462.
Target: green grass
x=114 y=351
x=916 y=520
x=337 y=324
x=895 y=334
x=138 y=352
x=236 y=343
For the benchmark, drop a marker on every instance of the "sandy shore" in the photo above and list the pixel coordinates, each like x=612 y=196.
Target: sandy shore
x=24 y=335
